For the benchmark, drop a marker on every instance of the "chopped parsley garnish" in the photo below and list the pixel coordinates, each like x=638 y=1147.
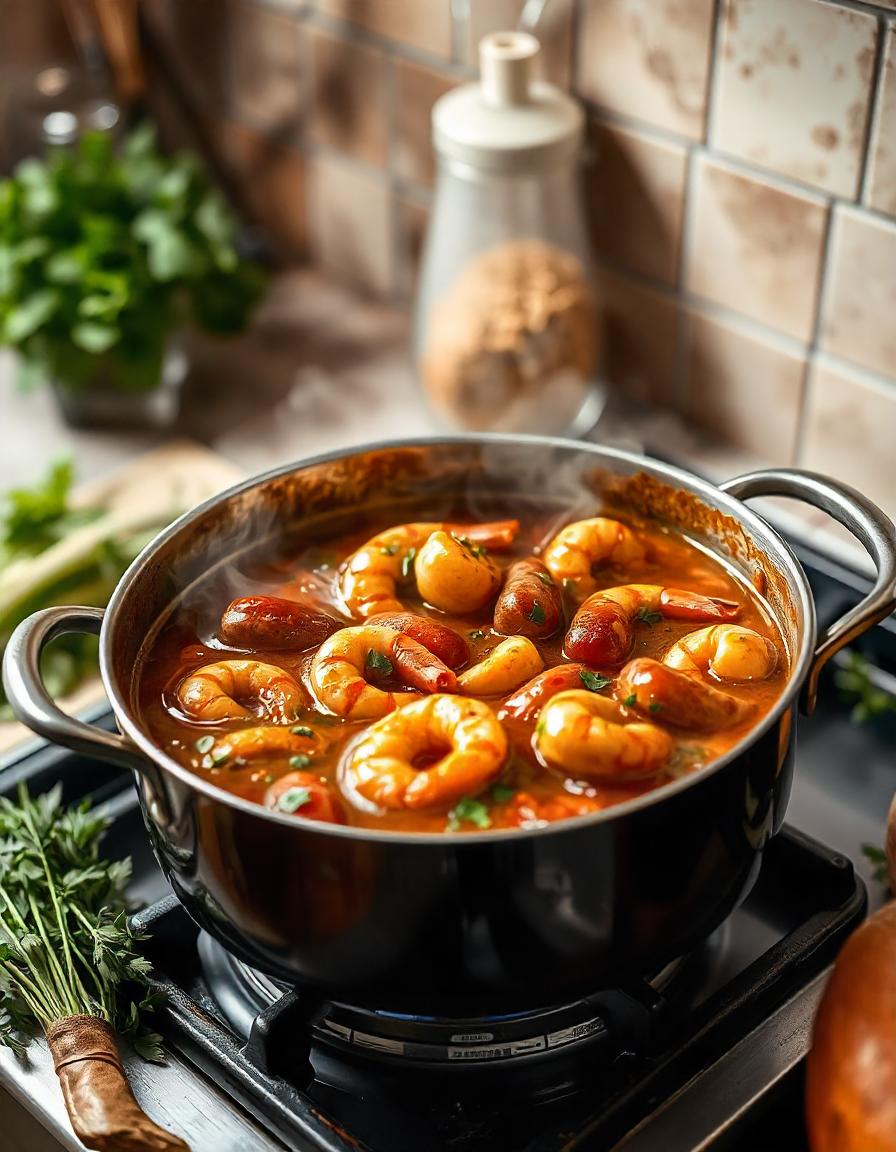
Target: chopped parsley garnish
x=630 y=701
x=655 y=706
x=378 y=663
x=501 y=793
x=205 y=744
x=469 y=811
x=593 y=681
x=474 y=549
x=545 y=578
x=407 y=562
x=537 y=615
x=477 y=634
x=268 y=778
x=389 y=549
x=647 y=617
x=302 y=730
x=299 y=761
x=293 y=799
x=220 y=755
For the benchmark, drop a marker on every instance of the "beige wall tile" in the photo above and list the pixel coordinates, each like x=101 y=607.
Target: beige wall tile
x=648 y=59
x=423 y=24
x=417 y=89
x=636 y=198
x=273 y=184
x=850 y=425
x=266 y=68
x=793 y=88
x=349 y=97
x=743 y=387
x=639 y=331
x=755 y=247
x=859 y=321
x=882 y=158
x=554 y=32
x=351 y=226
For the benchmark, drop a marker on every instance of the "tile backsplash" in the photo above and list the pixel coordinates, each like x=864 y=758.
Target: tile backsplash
x=742 y=185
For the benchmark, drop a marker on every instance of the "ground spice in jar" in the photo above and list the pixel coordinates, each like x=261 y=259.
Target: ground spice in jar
x=513 y=343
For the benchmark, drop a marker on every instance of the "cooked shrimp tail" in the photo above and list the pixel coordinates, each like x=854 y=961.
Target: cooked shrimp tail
x=588 y=735
x=580 y=549
x=382 y=769
x=341 y=664
x=443 y=642
x=223 y=691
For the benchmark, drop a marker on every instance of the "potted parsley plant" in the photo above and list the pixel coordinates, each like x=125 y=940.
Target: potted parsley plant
x=106 y=256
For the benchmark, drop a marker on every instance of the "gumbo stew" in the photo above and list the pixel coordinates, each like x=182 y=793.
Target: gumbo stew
x=430 y=675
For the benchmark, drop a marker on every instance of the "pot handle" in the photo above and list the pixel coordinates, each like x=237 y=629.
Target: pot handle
x=865 y=521
x=32 y=704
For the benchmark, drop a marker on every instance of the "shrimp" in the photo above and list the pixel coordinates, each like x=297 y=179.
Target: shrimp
x=587 y=735
x=676 y=687
x=383 y=767
x=338 y=666
x=370 y=575
x=509 y=664
x=214 y=691
x=579 y=548
x=454 y=574
x=253 y=743
x=603 y=630
x=524 y=810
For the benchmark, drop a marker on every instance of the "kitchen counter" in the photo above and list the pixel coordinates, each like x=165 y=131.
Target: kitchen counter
x=323 y=369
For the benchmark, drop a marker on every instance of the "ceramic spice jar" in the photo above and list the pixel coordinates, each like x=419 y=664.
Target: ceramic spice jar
x=505 y=327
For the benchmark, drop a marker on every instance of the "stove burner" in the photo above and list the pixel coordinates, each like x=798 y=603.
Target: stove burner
x=242 y=992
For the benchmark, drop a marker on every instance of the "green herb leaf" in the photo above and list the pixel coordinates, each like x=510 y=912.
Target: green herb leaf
x=646 y=616
x=877 y=858
x=502 y=793
x=95 y=338
x=299 y=761
x=66 y=947
x=856 y=684
x=537 y=615
x=593 y=681
x=293 y=799
x=545 y=578
x=655 y=706
x=631 y=700
x=302 y=730
x=378 y=663
x=205 y=744
x=221 y=754
x=389 y=550
x=407 y=563
x=477 y=634
x=469 y=811
x=476 y=550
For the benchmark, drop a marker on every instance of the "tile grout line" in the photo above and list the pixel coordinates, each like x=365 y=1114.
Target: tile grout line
x=875 y=113
x=681 y=384
x=821 y=300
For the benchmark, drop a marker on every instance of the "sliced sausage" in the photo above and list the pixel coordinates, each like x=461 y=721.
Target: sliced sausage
x=274 y=623
x=531 y=604
x=526 y=704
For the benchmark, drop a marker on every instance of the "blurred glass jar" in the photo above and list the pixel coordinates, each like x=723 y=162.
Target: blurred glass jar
x=505 y=322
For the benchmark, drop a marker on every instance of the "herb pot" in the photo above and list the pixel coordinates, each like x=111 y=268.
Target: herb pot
x=501 y=920
x=102 y=403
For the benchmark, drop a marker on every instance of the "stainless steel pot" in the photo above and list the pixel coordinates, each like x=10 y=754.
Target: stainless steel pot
x=501 y=919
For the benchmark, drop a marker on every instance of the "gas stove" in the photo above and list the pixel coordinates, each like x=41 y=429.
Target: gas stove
x=705 y=1054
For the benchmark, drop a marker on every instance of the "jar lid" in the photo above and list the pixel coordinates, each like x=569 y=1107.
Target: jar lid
x=507 y=122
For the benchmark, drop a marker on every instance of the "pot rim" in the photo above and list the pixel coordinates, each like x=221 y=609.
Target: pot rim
x=703 y=488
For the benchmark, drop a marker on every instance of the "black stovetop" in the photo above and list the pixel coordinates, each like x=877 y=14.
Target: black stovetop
x=620 y=1070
